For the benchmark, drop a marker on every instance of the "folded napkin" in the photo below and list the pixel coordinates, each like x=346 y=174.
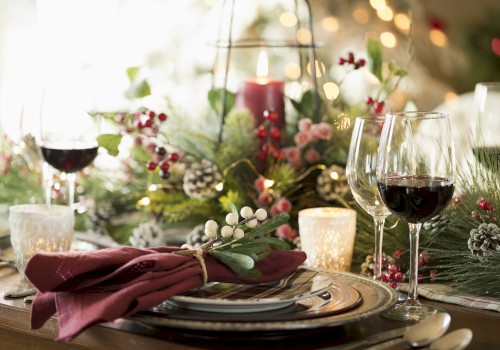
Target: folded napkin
x=99 y=286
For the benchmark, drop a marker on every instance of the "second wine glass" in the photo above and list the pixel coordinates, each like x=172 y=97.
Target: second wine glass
x=68 y=136
x=415 y=177
x=361 y=176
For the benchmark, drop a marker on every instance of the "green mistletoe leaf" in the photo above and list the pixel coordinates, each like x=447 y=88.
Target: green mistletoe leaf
x=396 y=70
x=132 y=73
x=273 y=242
x=110 y=142
x=215 y=96
x=375 y=57
x=269 y=226
x=138 y=89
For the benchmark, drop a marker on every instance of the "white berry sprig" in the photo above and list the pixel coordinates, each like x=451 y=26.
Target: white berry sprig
x=233 y=228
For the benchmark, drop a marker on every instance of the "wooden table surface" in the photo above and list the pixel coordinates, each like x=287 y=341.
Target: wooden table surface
x=15 y=332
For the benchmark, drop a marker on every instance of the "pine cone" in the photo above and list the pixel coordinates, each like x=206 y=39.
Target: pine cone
x=332 y=183
x=436 y=224
x=200 y=179
x=147 y=235
x=197 y=236
x=484 y=239
x=99 y=217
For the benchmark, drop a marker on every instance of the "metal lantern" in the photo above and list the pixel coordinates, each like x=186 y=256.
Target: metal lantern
x=275 y=32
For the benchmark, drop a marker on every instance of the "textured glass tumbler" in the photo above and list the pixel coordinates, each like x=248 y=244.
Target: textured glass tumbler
x=327 y=237
x=39 y=228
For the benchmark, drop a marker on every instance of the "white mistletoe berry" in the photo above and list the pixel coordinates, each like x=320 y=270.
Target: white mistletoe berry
x=246 y=212
x=252 y=223
x=261 y=214
x=211 y=228
x=232 y=219
x=238 y=233
x=226 y=231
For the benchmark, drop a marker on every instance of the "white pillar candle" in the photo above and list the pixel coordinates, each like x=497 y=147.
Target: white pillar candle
x=327 y=237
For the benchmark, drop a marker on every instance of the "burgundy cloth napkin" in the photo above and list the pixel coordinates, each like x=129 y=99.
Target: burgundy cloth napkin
x=103 y=285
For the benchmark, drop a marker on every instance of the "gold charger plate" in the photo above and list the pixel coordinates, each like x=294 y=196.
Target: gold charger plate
x=373 y=298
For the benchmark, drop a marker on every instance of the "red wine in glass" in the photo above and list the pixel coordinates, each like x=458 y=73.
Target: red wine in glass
x=67 y=159
x=416 y=199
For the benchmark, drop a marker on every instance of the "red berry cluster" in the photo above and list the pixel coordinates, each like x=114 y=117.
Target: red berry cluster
x=392 y=268
x=378 y=106
x=162 y=161
x=146 y=120
x=488 y=208
x=269 y=135
x=350 y=60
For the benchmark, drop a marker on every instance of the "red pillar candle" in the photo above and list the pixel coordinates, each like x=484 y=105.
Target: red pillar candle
x=263 y=94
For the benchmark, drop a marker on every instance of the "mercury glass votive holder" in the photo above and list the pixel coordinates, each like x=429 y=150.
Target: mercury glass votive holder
x=38 y=228
x=327 y=237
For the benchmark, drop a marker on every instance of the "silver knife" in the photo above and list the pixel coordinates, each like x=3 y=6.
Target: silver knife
x=371 y=340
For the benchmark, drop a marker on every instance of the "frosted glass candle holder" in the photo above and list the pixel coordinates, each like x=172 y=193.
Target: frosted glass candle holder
x=327 y=237
x=39 y=228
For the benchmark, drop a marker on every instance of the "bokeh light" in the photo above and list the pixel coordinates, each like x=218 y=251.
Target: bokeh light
x=388 y=39
x=332 y=90
x=330 y=24
x=320 y=69
x=292 y=71
x=438 y=38
x=361 y=16
x=402 y=22
x=288 y=19
x=385 y=14
x=304 y=36
x=378 y=4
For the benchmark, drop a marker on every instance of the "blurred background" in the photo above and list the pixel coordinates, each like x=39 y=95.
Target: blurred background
x=452 y=45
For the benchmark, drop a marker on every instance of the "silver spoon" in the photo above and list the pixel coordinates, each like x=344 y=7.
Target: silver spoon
x=456 y=340
x=422 y=333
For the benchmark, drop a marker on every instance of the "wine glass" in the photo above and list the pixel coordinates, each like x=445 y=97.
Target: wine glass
x=361 y=176
x=415 y=177
x=487 y=145
x=68 y=135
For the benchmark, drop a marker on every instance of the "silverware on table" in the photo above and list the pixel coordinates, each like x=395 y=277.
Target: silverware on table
x=370 y=340
x=22 y=293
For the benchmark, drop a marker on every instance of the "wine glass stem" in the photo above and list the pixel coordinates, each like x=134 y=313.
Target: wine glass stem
x=379 y=237
x=414 y=236
x=71 y=177
x=47 y=181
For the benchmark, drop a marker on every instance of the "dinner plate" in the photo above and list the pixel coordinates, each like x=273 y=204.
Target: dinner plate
x=239 y=298
x=375 y=298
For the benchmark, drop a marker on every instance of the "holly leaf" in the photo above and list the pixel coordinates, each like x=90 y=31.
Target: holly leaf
x=269 y=226
x=273 y=242
x=396 y=70
x=215 y=96
x=374 y=49
x=234 y=209
x=132 y=73
x=110 y=142
x=138 y=89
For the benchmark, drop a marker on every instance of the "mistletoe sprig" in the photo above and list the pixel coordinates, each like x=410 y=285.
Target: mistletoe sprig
x=241 y=243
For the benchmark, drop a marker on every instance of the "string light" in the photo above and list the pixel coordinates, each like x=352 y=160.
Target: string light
x=220 y=186
x=378 y=4
x=304 y=36
x=292 y=70
x=331 y=90
x=388 y=39
x=288 y=19
x=402 y=22
x=385 y=14
x=361 y=16
x=320 y=69
x=268 y=183
x=144 y=202
x=152 y=188
x=330 y=24
x=438 y=38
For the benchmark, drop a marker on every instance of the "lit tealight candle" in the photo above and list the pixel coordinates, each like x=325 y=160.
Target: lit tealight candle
x=262 y=94
x=327 y=237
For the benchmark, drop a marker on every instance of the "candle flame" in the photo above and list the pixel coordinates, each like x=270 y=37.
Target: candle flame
x=262 y=67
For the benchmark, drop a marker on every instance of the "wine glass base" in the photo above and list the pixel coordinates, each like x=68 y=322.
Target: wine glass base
x=410 y=311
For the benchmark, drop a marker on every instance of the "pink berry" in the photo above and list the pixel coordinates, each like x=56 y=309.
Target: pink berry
x=271 y=115
x=151 y=114
x=475 y=215
x=397 y=254
x=393 y=268
x=398 y=276
x=259 y=184
x=393 y=285
x=369 y=101
x=162 y=117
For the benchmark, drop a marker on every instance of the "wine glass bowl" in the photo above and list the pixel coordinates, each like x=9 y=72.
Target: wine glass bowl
x=415 y=178
x=361 y=176
x=68 y=135
x=486 y=147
